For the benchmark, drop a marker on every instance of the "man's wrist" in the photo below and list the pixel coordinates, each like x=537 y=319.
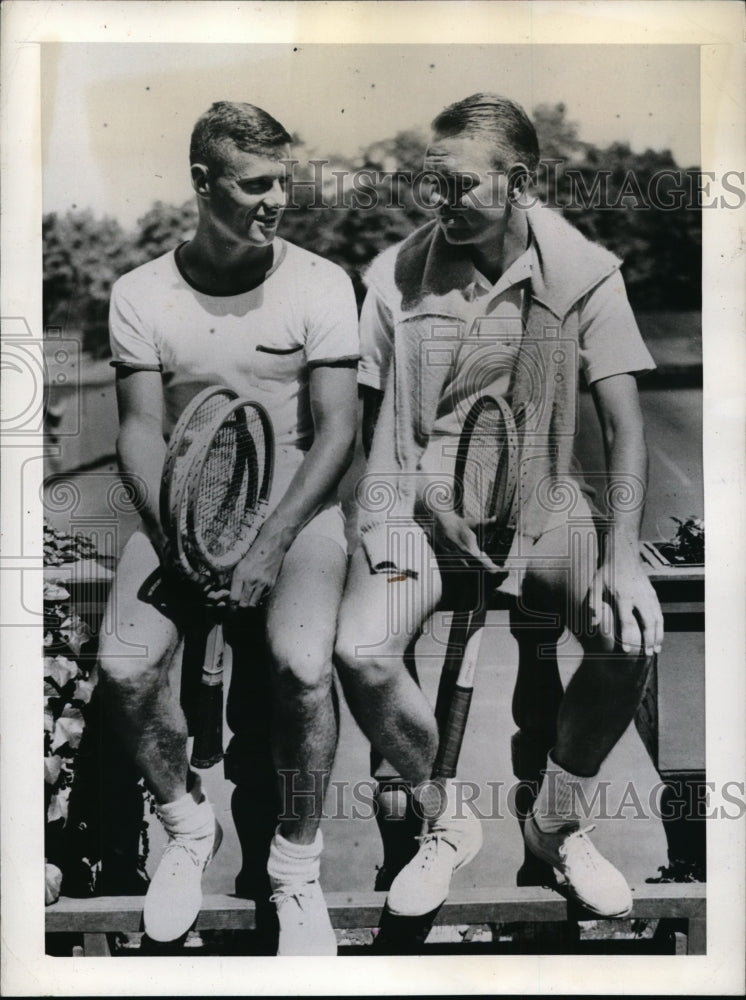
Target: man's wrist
x=622 y=546
x=280 y=532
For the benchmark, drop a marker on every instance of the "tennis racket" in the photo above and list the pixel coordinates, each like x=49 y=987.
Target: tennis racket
x=197 y=416
x=226 y=492
x=486 y=479
x=213 y=441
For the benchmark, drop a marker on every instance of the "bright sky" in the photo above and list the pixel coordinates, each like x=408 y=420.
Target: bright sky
x=117 y=117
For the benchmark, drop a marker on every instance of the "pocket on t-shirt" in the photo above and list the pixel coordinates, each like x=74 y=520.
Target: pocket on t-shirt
x=282 y=364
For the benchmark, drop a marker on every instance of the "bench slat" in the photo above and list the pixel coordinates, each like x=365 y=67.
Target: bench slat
x=363 y=909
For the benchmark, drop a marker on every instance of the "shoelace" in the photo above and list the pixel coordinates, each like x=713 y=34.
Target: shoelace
x=431 y=842
x=578 y=842
x=295 y=892
x=182 y=842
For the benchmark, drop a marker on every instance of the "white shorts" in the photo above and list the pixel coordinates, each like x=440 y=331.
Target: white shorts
x=329 y=521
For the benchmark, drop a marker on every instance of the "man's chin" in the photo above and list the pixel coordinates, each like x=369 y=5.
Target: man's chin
x=456 y=234
x=261 y=236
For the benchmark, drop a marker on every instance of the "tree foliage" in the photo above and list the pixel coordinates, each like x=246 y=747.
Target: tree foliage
x=83 y=256
x=353 y=209
x=661 y=246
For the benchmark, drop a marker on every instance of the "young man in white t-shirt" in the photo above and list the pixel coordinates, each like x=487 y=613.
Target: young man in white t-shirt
x=502 y=297
x=237 y=306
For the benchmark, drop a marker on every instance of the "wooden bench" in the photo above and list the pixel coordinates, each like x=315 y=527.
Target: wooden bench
x=684 y=904
x=675 y=740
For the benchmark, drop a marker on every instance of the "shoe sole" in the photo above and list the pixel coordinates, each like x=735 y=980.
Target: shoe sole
x=564 y=889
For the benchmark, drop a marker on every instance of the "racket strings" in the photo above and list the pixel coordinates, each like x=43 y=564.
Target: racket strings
x=226 y=499
x=489 y=477
x=219 y=492
x=199 y=421
x=482 y=467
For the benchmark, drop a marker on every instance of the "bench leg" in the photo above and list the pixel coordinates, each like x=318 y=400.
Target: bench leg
x=680 y=943
x=689 y=937
x=696 y=942
x=96 y=946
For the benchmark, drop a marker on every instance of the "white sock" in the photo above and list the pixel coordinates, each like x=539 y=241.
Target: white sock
x=293 y=863
x=187 y=817
x=455 y=804
x=556 y=805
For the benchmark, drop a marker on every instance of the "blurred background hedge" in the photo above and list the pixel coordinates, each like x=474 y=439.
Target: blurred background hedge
x=661 y=249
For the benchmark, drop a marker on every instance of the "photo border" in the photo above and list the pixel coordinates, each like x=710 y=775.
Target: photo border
x=718 y=28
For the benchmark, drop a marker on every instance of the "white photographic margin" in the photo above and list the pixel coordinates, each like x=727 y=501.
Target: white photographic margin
x=718 y=27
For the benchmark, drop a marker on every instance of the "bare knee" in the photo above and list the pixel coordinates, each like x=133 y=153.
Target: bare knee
x=603 y=651
x=129 y=672
x=366 y=666
x=302 y=671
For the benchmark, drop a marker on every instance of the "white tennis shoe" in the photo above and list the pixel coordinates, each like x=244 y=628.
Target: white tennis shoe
x=305 y=927
x=424 y=883
x=174 y=896
x=580 y=869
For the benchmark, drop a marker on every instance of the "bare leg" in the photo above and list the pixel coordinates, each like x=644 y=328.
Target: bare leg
x=301 y=622
x=248 y=761
x=381 y=615
x=140 y=689
x=536 y=698
x=602 y=697
x=598 y=705
x=378 y=618
x=142 y=699
x=398 y=822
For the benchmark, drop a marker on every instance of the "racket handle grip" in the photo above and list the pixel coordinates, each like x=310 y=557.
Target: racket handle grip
x=207 y=748
x=452 y=735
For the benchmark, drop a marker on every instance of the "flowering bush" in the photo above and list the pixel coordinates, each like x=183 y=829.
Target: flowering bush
x=687 y=547
x=69 y=684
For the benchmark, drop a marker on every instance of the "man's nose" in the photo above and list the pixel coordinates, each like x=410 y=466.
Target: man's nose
x=276 y=195
x=436 y=197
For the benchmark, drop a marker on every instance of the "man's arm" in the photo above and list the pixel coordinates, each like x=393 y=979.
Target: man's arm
x=621 y=577
x=333 y=406
x=140 y=445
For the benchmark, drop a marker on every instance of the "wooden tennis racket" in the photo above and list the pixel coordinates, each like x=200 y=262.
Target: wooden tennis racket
x=486 y=479
x=197 y=416
x=216 y=480
x=227 y=489
x=226 y=492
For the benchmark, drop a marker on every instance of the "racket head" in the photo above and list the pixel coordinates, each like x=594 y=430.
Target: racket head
x=228 y=489
x=196 y=417
x=486 y=472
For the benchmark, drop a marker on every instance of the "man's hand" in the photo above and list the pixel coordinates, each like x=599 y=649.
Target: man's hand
x=457 y=534
x=621 y=582
x=257 y=572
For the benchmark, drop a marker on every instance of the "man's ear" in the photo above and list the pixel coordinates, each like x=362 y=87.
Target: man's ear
x=518 y=181
x=201 y=179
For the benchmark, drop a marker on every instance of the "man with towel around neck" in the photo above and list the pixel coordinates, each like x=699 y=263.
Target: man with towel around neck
x=517 y=300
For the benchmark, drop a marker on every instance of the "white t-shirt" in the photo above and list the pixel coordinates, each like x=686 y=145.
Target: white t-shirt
x=609 y=343
x=261 y=343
